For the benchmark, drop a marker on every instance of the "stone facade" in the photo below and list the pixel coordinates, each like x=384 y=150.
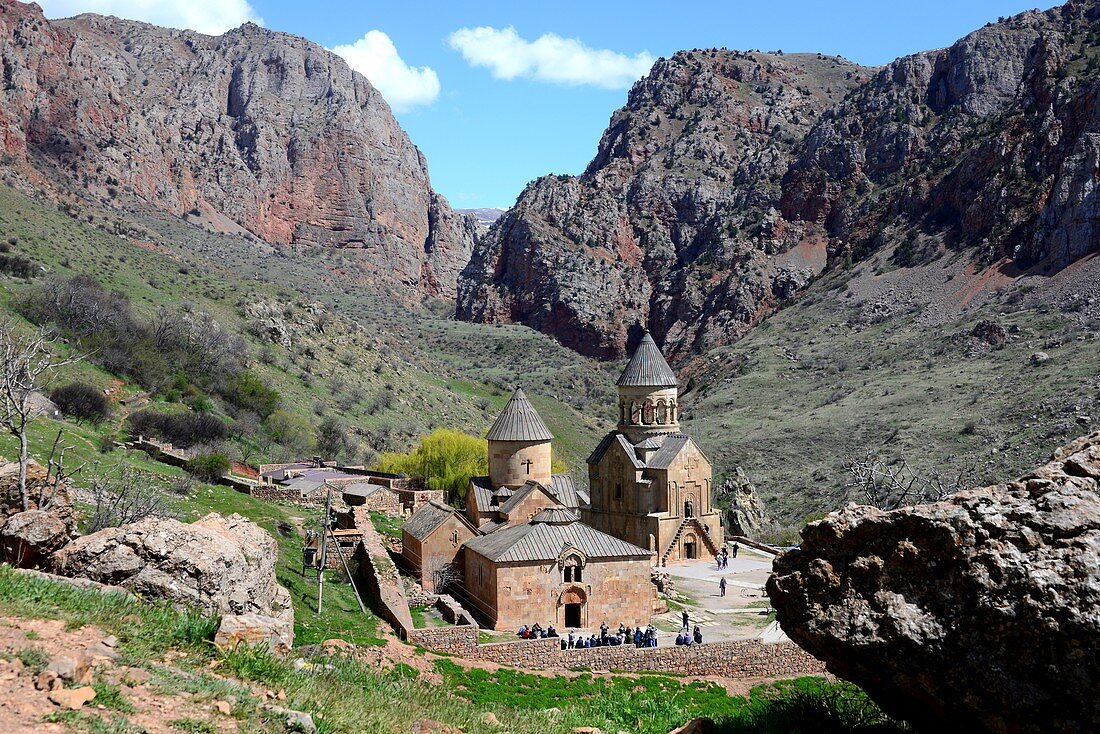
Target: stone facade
x=507 y=596
x=650 y=484
x=427 y=556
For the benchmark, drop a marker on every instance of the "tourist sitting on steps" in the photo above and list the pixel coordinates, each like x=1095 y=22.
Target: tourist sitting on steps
x=523 y=631
x=551 y=632
x=698 y=635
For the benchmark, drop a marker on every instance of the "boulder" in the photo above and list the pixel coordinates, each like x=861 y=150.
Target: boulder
x=980 y=612
x=28 y=538
x=72 y=699
x=223 y=565
x=255 y=629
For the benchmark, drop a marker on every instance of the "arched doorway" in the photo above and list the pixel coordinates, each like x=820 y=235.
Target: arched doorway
x=691 y=547
x=573 y=603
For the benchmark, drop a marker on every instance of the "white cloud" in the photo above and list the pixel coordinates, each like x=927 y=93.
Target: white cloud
x=213 y=17
x=375 y=57
x=548 y=58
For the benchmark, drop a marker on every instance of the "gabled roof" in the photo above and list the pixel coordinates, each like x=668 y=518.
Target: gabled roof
x=522 y=493
x=565 y=490
x=663 y=457
x=647 y=367
x=519 y=421
x=612 y=439
x=429 y=517
x=544 y=541
x=483 y=493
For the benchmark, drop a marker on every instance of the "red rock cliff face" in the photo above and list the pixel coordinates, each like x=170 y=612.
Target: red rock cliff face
x=267 y=129
x=729 y=180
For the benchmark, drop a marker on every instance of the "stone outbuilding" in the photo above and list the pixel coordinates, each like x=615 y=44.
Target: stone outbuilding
x=650 y=483
x=555 y=569
x=431 y=544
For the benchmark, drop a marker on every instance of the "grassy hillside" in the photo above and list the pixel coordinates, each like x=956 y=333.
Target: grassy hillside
x=329 y=346
x=861 y=364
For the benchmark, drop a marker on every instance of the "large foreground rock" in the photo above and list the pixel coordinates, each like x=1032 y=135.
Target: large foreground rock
x=224 y=565
x=28 y=538
x=977 y=613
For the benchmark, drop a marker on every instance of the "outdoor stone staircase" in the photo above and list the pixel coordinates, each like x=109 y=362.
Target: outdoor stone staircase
x=702 y=533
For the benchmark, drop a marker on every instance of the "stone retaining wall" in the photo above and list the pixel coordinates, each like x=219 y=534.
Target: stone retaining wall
x=382 y=581
x=731 y=659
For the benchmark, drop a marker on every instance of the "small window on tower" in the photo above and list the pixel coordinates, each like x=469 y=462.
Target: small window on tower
x=618 y=490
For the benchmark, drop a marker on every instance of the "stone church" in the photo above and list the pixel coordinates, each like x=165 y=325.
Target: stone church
x=519 y=553
x=650 y=484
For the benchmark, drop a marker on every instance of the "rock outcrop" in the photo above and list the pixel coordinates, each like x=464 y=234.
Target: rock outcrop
x=980 y=612
x=744 y=514
x=223 y=565
x=27 y=539
x=731 y=180
x=252 y=129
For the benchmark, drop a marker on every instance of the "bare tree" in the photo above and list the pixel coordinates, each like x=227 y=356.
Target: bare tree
x=120 y=499
x=443 y=576
x=57 y=474
x=889 y=486
x=26 y=368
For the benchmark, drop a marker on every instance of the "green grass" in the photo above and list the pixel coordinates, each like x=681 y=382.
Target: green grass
x=345 y=695
x=387 y=524
x=193 y=726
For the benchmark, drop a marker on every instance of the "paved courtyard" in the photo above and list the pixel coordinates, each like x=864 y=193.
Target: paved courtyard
x=743 y=613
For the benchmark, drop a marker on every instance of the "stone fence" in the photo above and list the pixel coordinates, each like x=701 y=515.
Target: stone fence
x=730 y=659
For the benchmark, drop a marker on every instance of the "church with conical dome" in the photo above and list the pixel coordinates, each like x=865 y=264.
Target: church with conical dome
x=649 y=483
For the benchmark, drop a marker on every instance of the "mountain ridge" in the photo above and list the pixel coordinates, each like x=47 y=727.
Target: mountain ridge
x=262 y=130
x=984 y=146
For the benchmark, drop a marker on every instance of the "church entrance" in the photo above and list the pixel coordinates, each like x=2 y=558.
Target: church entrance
x=573 y=601
x=691 y=549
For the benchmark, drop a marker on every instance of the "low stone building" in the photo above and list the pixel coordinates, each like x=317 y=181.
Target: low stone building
x=431 y=545
x=651 y=484
x=555 y=569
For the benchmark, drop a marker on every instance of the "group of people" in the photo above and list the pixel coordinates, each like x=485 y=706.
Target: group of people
x=625 y=635
x=723 y=558
x=536 y=631
x=693 y=638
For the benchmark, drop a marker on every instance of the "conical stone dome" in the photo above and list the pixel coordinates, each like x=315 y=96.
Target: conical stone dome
x=519 y=421
x=647 y=367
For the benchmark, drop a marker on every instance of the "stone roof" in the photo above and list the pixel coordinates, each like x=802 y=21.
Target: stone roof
x=544 y=541
x=429 y=517
x=647 y=367
x=556 y=516
x=521 y=494
x=669 y=447
x=519 y=421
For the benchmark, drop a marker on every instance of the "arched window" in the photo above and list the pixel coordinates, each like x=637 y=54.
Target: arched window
x=689 y=509
x=647 y=413
x=672 y=411
x=635 y=413
x=571 y=571
x=662 y=412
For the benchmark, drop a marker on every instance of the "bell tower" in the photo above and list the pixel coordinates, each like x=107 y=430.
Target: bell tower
x=648 y=394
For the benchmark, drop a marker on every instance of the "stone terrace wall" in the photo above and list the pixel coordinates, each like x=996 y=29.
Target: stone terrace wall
x=732 y=659
x=382 y=580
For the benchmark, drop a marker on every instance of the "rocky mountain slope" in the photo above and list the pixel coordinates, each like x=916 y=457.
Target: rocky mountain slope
x=660 y=230
x=253 y=129
x=730 y=180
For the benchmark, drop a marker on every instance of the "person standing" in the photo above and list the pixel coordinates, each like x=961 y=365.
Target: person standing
x=735 y=550
x=687 y=620
x=722 y=586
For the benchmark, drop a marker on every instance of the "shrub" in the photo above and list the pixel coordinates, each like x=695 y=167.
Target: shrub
x=291 y=431
x=18 y=266
x=180 y=429
x=246 y=390
x=208 y=467
x=333 y=439
x=82 y=401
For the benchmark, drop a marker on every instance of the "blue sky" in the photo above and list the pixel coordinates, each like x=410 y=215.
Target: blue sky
x=493 y=109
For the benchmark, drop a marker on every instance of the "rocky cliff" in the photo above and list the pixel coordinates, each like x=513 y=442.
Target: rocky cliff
x=662 y=230
x=977 y=613
x=729 y=180
x=253 y=128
